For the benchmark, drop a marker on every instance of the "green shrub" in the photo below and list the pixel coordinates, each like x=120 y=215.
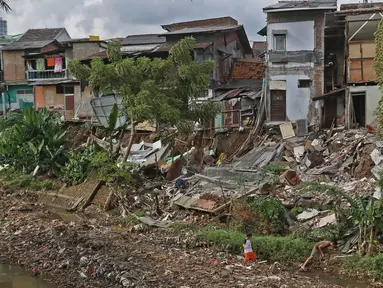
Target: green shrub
x=37 y=139
x=372 y=266
x=80 y=164
x=271 y=248
x=272 y=212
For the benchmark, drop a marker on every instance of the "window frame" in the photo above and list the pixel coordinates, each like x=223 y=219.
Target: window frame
x=307 y=81
x=276 y=36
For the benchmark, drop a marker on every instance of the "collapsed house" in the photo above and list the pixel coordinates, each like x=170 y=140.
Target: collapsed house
x=351 y=92
x=240 y=97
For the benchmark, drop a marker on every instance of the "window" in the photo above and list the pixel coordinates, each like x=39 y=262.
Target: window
x=23 y=92
x=304 y=83
x=280 y=42
x=59 y=89
x=67 y=89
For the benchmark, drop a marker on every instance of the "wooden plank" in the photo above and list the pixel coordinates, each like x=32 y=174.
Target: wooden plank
x=355 y=65
x=92 y=194
x=354 y=50
x=368 y=50
x=368 y=70
x=356 y=75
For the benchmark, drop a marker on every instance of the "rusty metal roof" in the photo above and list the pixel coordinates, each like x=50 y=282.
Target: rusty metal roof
x=302 y=5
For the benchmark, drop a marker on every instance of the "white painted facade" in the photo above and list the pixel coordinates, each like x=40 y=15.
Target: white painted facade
x=299 y=36
x=297 y=99
x=373 y=95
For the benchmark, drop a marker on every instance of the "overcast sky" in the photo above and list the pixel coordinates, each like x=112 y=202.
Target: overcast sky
x=112 y=18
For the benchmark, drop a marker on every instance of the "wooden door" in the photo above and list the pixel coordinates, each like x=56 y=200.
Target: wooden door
x=69 y=107
x=330 y=107
x=278 y=105
x=39 y=97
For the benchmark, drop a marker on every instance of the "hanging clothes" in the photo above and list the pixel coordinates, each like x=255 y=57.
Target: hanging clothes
x=29 y=65
x=58 y=65
x=50 y=62
x=40 y=64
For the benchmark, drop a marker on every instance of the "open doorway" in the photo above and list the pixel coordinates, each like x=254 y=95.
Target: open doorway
x=359 y=112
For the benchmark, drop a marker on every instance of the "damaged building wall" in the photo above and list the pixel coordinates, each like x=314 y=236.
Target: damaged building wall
x=370 y=95
x=82 y=100
x=299 y=59
x=297 y=99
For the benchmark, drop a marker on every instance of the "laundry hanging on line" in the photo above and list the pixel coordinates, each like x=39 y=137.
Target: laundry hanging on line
x=40 y=64
x=29 y=65
x=58 y=65
x=50 y=62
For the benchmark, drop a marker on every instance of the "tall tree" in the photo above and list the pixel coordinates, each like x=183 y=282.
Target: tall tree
x=378 y=67
x=5 y=6
x=161 y=90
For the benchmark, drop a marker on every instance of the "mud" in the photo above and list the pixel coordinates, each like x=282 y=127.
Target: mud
x=99 y=253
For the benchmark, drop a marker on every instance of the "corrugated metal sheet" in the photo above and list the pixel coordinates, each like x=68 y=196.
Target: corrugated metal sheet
x=143 y=39
x=138 y=48
x=311 y=4
x=233 y=94
x=102 y=107
x=203 y=29
x=26 y=45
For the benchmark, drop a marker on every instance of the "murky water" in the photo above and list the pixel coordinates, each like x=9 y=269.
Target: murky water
x=15 y=277
x=327 y=278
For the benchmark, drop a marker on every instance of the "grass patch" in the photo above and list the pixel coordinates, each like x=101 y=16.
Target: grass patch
x=276 y=169
x=373 y=266
x=273 y=248
x=23 y=181
x=183 y=227
x=132 y=219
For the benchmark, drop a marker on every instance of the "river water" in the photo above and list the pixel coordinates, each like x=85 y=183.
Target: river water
x=15 y=277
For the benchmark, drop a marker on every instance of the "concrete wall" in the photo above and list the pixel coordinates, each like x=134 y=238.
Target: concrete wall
x=84 y=49
x=82 y=102
x=15 y=98
x=373 y=95
x=53 y=100
x=300 y=35
x=297 y=99
x=305 y=32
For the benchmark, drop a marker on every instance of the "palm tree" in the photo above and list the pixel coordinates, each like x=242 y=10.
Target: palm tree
x=5 y=6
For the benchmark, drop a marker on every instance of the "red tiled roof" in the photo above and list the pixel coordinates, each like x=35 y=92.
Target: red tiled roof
x=247 y=69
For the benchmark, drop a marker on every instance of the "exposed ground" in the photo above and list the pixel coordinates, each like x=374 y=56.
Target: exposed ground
x=98 y=253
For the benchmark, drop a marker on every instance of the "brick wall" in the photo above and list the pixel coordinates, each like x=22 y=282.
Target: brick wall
x=247 y=69
x=82 y=50
x=223 y=21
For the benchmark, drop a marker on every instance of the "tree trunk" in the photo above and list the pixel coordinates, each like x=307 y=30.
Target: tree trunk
x=117 y=150
x=131 y=139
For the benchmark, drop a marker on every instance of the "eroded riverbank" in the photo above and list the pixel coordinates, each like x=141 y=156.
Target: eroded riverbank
x=96 y=254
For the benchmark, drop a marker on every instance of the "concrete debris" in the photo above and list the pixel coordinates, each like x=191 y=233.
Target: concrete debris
x=307 y=215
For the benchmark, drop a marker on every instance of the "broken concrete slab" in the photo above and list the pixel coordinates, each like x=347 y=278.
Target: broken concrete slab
x=287 y=130
x=327 y=220
x=307 y=215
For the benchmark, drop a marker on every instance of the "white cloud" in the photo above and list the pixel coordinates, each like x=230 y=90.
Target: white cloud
x=114 y=18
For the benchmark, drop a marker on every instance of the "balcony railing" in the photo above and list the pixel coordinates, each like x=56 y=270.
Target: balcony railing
x=46 y=74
